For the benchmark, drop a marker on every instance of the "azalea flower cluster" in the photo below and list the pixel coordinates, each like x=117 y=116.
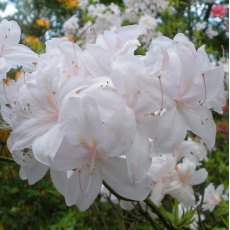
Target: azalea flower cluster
x=104 y=115
x=150 y=14
x=102 y=17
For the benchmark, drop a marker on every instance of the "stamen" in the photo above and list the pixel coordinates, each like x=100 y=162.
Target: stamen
x=4 y=90
x=205 y=89
x=89 y=183
x=79 y=179
x=74 y=50
x=92 y=160
x=92 y=149
x=162 y=94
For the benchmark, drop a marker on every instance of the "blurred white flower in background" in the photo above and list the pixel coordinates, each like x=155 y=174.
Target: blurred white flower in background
x=212 y=197
x=71 y=26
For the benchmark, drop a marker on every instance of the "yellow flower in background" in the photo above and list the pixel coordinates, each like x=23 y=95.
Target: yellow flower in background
x=32 y=41
x=70 y=4
x=42 y=22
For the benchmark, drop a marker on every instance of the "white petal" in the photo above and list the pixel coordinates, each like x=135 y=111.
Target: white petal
x=28 y=131
x=71 y=159
x=82 y=188
x=10 y=32
x=34 y=173
x=185 y=195
x=168 y=131
x=97 y=61
x=198 y=177
x=117 y=139
x=59 y=179
x=4 y=65
x=220 y=189
x=181 y=38
x=115 y=174
x=138 y=157
x=20 y=55
x=87 y=199
x=157 y=193
x=46 y=146
x=199 y=120
x=131 y=32
x=215 y=94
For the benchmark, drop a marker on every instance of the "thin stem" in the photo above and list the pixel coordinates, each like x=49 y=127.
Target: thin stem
x=6 y=159
x=116 y=194
x=153 y=207
x=198 y=209
x=161 y=216
x=147 y=216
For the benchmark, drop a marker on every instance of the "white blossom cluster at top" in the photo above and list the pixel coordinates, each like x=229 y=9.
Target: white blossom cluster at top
x=104 y=114
x=147 y=13
x=111 y=17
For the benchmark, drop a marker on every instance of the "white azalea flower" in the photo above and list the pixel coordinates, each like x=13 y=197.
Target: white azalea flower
x=98 y=57
x=194 y=151
x=12 y=54
x=186 y=176
x=31 y=169
x=100 y=115
x=107 y=21
x=185 y=78
x=148 y=22
x=80 y=187
x=162 y=174
x=71 y=26
x=39 y=99
x=212 y=197
x=94 y=139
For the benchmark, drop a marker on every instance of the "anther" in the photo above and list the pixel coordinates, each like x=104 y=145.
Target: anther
x=205 y=89
x=79 y=179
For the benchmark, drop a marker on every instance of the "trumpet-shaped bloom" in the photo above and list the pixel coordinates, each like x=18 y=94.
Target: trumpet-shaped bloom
x=212 y=197
x=162 y=174
x=186 y=80
x=101 y=115
x=98 y=57
x=186 y=176
x=80 y=187
x=13 y=54
x=94 y=141
x=40 y=97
